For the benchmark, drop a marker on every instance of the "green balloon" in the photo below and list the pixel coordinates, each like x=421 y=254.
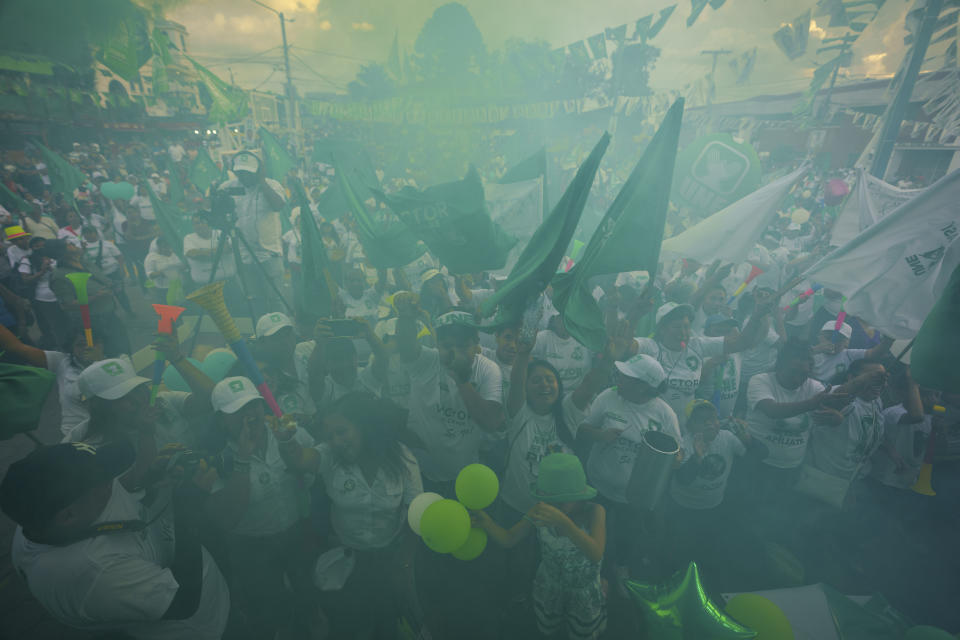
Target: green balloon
x=473 y=547
x=445 y=526
x=681 y=610
x=477 y=486
x=761 y=615
x=216 y=365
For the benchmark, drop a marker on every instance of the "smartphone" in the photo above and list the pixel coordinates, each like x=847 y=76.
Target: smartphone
x=348 y=328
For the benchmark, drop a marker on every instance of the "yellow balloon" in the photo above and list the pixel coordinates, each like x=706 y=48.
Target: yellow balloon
x=477 y=486
x=473 y=547
x=800 y=216
x=761 y=615
x=445 y=526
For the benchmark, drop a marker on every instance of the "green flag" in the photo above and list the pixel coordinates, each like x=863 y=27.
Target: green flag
x=278 y=161
x=228 y=103
x=160 y=45
x=168 y=221
x=350 y=157
x=453 y=221
x=23 y=391
x=315 y=297
x=937 y=345
x=530 y=169
x=627 y=239
x=386 y=246
x=127 y=46
x=203 y=171
x=175 y=188
x=538 y=262
x=11 y=201
x=64 y=177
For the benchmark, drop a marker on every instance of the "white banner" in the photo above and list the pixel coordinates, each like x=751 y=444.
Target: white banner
x=894 y=272
x=731 y=233
x=871 y=200
x=518 y=209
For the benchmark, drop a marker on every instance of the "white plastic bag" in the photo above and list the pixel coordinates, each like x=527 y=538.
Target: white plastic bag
x=333 y=569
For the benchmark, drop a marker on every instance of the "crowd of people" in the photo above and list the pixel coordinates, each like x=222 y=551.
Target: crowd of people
x=199 y=513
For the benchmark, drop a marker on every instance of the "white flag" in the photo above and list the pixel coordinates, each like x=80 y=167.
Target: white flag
x=518 y=208
x=731 y=233
x=894 y=272
x=871 y=200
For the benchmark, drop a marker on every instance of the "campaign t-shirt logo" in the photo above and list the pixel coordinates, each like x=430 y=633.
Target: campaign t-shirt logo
x=692 y=362
x=712 y=467
x=653 y=425
x=113 y=369
x=349 y=484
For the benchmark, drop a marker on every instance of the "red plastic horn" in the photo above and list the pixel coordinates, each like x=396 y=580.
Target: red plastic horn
x=168 y=315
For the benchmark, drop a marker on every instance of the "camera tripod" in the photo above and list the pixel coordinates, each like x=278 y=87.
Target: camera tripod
x=230 y=233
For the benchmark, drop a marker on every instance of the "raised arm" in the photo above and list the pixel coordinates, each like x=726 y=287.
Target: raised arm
x=408 y=312
x=200 y=384
x=518 y=377
x=33 y=356
x=507 y=538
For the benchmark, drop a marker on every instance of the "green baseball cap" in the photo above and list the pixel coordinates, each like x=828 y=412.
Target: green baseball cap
x=561 y=479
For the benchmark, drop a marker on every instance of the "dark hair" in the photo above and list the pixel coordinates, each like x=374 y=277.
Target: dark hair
x=856 y=367
x=379 y=422
x=563 y=431
x=339 y=349
x=793 y=349
x=55 y=249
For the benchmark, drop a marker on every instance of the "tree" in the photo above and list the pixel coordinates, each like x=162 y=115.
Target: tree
x=450 y=50
x=372 y=83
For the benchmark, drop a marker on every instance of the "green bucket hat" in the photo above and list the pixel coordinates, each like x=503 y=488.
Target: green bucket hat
x=561 y=479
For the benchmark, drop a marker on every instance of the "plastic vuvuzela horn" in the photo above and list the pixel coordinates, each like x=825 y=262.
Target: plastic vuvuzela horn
x=79 y=280
x=168 y=315
x=210 y=297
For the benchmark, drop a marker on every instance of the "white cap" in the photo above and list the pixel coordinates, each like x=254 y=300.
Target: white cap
x=669 y=307
x=643 y=368
x=270 y=323
x=109 y=379
x=246 y=161
x=232 y=394
x=845 y=330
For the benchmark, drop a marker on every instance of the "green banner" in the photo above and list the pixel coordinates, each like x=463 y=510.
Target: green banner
x=627 y=239
x=229 y=104
x=203 y=172
x=278 y=161
x=127 y=46
x=714 y=171
x=64 y=177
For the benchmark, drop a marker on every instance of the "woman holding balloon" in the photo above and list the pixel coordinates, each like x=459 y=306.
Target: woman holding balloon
x=371 y=479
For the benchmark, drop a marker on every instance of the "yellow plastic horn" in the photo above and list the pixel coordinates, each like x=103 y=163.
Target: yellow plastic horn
x=210 y=297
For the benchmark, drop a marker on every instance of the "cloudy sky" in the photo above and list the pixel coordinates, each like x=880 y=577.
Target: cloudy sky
x=331 y=38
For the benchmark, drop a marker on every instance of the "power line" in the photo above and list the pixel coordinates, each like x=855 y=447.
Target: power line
x=331 y=53
x=317 y=73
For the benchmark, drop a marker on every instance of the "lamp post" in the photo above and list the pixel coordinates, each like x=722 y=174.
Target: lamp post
x=292 y=116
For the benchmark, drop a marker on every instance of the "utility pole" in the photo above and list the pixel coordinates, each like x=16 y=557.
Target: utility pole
x=292 y=114
x=230 y=69
x=716 y=53
x=893 y=116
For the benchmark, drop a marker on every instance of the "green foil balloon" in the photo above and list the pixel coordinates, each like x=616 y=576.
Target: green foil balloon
x=681 y=610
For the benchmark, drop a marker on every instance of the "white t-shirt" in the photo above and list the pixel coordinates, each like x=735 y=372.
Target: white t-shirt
x=438 y=415
x=506 y=370
x=532 y=437
x=368 y=516
x=108 y=259
x=200 y=268
x=291 y=243
x=121 y=581
x=397 y=386
x=42 y=291
x=15 y=254
x=168 y=267
x=332 y=390
x=706 y=489
x=275 y=494
x=723 y=385
x=571 y=359
x=366 y=306
x=760 y=358
x=682 y=368
x=839 y=450
x=828 y=366
x=908 y=440
x=611 y=463
x=146 y=207
x=72 y=409
x=257 y=220
x=785 y=439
